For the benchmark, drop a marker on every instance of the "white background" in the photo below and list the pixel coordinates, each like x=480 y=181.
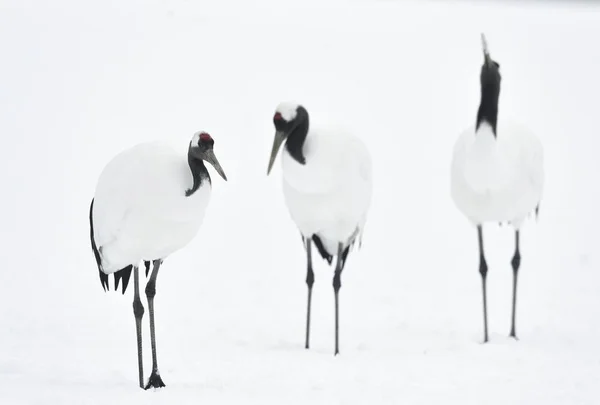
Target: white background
x=81 y=81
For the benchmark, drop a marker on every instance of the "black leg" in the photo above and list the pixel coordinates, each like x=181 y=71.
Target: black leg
x=516 y=263
x=310 y=279
x=154 y=380
x=483 y=269
x=337 y=284
x=138 y=312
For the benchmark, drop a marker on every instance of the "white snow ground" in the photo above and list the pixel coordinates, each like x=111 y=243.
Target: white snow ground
x=81 y=82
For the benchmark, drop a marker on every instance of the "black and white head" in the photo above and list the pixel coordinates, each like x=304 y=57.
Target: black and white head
x=291 y=124
x=201 y=149
x=490 y=88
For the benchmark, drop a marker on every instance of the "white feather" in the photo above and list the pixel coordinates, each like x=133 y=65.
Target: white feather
x=497 y=178
x=196 y=138
x=141 y=211
x=288 y=110
x=330 y=195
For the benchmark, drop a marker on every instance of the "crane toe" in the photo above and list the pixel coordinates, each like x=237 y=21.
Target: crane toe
x=155 y=381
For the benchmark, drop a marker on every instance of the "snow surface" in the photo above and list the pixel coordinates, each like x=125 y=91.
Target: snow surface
x=82 y=81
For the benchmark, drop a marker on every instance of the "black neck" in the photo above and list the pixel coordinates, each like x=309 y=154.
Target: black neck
x=488 y=108
x=296 y=138
x=199 y=174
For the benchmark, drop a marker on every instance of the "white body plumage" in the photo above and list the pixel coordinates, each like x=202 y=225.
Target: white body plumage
x=497 y=178
x=330 y=194
x=141 y=211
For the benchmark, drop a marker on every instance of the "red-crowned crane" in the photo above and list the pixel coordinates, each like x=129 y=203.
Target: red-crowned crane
x=327 y=187
x=149 y=202
x=497 y=174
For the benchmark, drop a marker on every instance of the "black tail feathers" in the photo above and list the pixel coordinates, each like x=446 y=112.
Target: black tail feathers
x=123 y=274
x=322 y=251
x=103 y=276
x=325 y=254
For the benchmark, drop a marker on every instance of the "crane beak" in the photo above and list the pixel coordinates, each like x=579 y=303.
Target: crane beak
x=486 y=53
x=279 y=138
x=210 y=157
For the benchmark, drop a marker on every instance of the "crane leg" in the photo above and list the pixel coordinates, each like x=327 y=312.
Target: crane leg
x=337 y=284
x=483 y=269
x=516 y=263
x=138 y=312
x=155 y=380
x=310 y=279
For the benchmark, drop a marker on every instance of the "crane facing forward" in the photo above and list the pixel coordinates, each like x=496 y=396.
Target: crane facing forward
x=327 y=187
x=497 y=174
